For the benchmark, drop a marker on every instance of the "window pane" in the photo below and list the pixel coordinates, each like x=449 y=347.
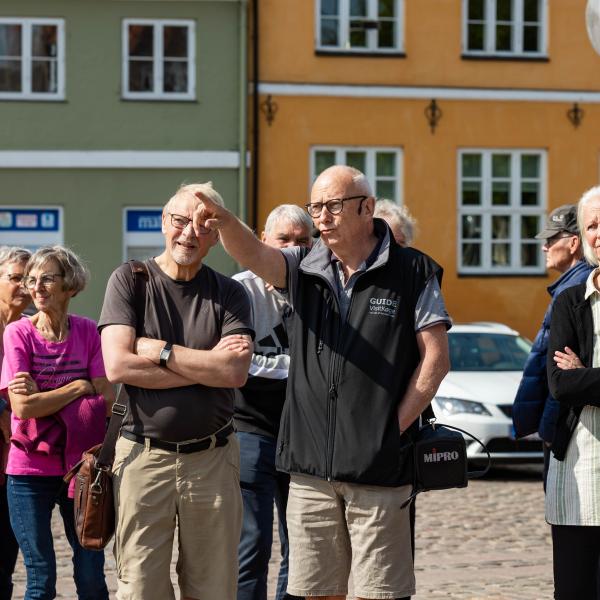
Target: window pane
x=329 y=32
x=358 y=37
x=529 y=255
x=10 y=75
x=471 y=226
x=356 y=160
x=530 y=193
x=530 y=38
x=471 y=165
x=500 y=193
x=358 y=8
x=141 y=78
x=386 y=8
x=501 y=165
x=43 y=76
x=501 y=255
x=10 y=40
x=471 y=255
x=503 y=37
x=530 y=165
x=476 y=9
x=386 y=164
x=475 y=41
x=529 y=226
x=175 y=40
x=471 y=193
x=531 y=10
x=504 y=10
x=387 y=37
x=500 y=227
x=141 y=40
x=175 y=78
x=385 y=189
x=43 y=40
x=323 y=160
x=329 y=7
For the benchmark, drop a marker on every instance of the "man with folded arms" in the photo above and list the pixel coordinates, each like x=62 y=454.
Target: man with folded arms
x=177 y=460
x=368 y=350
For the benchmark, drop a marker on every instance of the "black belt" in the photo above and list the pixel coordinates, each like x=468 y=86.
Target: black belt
x=215 y=441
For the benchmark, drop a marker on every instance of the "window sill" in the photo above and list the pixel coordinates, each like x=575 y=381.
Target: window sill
x=10 y=97
x=361 y=53
x=506 y=57
x=158 y=99
x=488 y=275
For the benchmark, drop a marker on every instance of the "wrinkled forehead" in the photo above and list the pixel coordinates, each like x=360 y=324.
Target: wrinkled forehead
x=183 y=203
x=13 y=266
x=333 y=186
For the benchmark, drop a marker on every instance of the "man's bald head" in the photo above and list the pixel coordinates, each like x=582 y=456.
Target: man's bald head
x=349 y=177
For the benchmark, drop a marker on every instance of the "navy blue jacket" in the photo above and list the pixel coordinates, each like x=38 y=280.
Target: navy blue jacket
x=534 y=408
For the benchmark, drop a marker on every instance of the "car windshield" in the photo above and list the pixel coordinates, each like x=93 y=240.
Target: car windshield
x=487 y=352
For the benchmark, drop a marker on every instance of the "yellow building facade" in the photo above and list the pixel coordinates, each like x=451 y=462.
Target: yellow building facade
x=512 y=134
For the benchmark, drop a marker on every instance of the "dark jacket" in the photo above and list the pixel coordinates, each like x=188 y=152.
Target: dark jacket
x=534 y=408
x=572 y=326
x=347 y=378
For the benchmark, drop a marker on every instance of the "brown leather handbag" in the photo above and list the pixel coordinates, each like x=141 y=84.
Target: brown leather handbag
x=94 y=498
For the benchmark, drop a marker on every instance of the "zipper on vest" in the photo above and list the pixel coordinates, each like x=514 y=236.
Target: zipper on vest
x=331 y=414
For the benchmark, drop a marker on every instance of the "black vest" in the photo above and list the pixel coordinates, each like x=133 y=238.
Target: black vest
x=347 y=378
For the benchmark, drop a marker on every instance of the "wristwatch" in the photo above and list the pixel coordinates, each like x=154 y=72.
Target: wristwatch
x=165 y=353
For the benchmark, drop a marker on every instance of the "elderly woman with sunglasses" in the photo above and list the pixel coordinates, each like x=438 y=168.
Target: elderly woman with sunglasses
x=14 y=299
x=59 y=395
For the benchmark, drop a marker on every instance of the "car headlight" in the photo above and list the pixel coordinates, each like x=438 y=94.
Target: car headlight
x=454 y=406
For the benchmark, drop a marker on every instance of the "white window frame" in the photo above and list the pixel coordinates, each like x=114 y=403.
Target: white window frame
x=37 y=238
x=517 y=31
x=158 y=58
x=344 y=29
x=371 y=165
x=26 y=59
x=487 y=210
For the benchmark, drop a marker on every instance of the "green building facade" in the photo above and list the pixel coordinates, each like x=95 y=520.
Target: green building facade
x=106 y=108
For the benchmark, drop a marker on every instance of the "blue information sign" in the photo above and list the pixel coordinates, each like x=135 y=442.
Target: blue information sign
x=29 y=219
x=144 y=220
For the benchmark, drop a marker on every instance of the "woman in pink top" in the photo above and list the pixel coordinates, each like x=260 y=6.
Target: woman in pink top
x=14 y=299
x=59 y=395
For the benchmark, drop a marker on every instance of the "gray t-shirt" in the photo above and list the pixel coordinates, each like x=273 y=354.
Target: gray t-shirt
x=195 y=314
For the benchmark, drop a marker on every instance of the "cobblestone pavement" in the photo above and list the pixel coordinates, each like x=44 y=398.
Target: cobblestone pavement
x=486 y=542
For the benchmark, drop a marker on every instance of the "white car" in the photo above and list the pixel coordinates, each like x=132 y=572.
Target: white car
x=477 y=394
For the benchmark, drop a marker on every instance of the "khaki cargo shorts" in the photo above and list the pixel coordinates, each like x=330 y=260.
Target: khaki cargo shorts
x=337 y=527
x=154 y=490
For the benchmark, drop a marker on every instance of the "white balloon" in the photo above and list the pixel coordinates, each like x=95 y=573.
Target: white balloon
x=592 y=21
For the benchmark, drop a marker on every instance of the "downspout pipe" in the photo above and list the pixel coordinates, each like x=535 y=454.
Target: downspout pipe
x=243 y=111
x=255 y=115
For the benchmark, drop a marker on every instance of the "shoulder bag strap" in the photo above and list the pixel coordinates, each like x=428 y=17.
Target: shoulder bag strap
x=119 y=409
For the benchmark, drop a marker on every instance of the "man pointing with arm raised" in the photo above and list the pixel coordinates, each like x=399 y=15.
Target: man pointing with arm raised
x=368 y=350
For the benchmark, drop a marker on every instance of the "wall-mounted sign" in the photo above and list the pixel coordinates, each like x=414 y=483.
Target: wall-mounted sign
x=142 y=233
x=31 y=226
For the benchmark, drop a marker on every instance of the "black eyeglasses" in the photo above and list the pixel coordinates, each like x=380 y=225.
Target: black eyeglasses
x=334 y=206
x=179 y=221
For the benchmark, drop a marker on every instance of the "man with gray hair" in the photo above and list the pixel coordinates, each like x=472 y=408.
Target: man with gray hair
x=177 y=460
x=399 y=219
x=258 y=412
x=369 y=349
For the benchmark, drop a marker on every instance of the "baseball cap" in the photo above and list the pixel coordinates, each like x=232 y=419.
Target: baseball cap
x=563 y=218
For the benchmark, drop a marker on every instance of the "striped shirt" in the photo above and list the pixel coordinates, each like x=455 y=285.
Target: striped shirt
x=573 y=487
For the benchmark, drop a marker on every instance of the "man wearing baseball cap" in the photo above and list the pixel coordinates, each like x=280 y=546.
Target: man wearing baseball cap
x=534 y=409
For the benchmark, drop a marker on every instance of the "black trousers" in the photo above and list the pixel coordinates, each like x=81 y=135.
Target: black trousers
x=576 y=552
x=8 y=548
